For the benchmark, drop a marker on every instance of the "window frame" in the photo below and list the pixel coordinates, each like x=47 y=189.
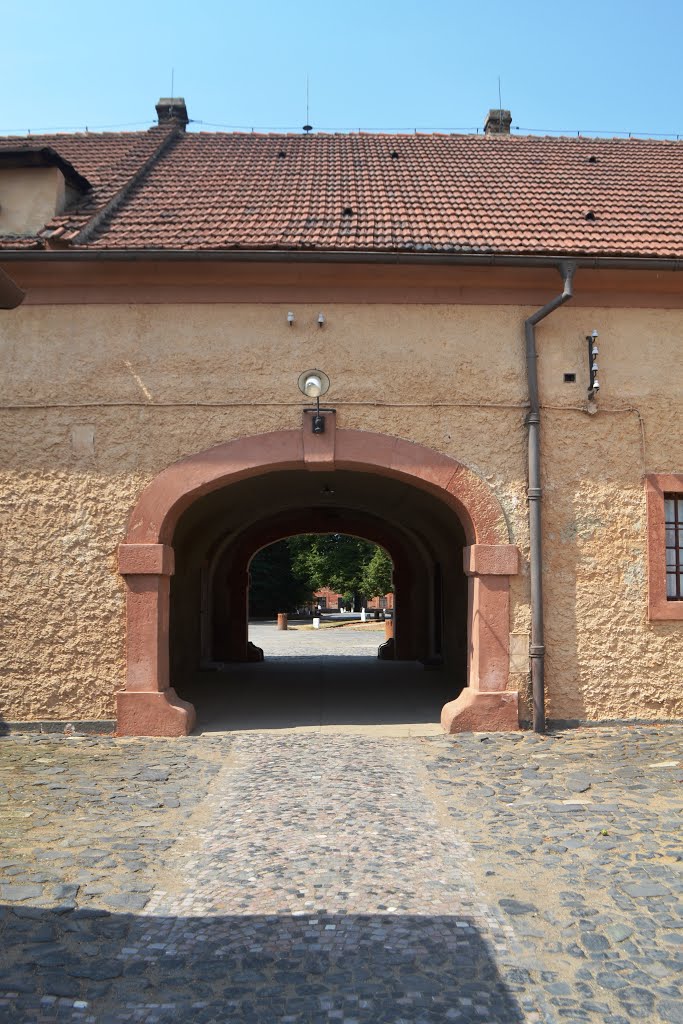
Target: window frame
x=657 y=485
x=674 y=566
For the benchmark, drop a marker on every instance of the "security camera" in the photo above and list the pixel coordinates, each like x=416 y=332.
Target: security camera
x=596 y=385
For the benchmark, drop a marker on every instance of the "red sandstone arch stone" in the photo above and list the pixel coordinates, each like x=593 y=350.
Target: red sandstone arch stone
x=149 y=706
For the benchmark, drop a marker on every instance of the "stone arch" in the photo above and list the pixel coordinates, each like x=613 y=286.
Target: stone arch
x=149 y=706
x=173 y=490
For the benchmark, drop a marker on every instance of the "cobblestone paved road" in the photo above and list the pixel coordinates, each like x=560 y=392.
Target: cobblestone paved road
x=504 y=879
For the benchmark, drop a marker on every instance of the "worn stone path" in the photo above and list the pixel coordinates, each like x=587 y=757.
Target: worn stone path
x=321 y=878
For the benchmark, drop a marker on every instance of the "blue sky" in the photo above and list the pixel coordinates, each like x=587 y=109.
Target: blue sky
x=594 y=67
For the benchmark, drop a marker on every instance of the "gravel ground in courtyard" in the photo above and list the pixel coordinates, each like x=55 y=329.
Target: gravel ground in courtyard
x=262 y=878
x=347 y=641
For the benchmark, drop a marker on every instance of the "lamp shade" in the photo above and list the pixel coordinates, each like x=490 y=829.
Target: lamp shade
x=314 y=383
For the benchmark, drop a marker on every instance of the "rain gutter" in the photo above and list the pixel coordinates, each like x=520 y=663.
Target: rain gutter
x=535 y=496
x=67 y=255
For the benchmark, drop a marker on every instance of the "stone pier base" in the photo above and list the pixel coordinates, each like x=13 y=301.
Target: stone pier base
x=477 y=711
x=145 y=713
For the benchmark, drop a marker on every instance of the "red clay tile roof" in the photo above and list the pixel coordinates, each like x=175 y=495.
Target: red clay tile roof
x=479 y=194
x=109 y=161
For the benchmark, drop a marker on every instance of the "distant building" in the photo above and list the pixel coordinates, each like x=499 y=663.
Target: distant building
x=328 y=600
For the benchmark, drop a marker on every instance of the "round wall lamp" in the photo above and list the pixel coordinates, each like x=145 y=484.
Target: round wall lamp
x=313 y=384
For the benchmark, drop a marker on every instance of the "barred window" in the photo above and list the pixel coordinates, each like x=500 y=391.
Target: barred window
x=673 y=522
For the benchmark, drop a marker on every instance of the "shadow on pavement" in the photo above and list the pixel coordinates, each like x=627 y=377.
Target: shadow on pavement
x=307 y=968
x=286 y=693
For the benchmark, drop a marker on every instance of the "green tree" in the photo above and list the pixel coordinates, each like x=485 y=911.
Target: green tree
x=274 y=586
x=339 y=561
x=377 y=575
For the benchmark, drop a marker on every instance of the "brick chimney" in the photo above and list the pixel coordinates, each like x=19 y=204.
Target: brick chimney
x=498 y=122
x=172 y=109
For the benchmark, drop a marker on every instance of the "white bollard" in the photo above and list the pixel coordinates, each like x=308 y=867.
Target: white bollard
x=363 y=615
x=316 y=623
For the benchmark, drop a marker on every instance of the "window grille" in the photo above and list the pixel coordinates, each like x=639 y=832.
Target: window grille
x=673 y=522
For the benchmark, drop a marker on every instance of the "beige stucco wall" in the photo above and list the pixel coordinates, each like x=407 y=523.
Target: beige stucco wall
x=118 y=392
x=29 y=197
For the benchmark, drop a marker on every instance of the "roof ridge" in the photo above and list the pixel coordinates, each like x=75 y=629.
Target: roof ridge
x=426 y=133
x=81 y=134
x=87 y=233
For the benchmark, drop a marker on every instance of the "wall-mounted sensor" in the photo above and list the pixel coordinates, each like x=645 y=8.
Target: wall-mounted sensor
x=290 y=318
x=321 y=319
x=593 y=385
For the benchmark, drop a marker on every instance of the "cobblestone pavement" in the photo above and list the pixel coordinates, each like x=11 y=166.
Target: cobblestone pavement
x=502 y=879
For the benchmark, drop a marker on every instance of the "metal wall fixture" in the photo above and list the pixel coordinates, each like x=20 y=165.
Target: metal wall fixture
x=313 y=384
x=320 y=320
x=594 y=383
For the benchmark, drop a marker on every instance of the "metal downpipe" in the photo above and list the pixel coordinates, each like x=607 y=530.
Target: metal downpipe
x=535 y=494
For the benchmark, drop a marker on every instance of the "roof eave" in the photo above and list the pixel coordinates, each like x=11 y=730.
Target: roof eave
x=500 y=259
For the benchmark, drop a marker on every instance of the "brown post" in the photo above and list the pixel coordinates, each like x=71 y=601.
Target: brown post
x=282 y=620
x=388 y=628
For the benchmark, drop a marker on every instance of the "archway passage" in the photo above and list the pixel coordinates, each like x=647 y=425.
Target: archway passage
x=214 y=542
x=196 y=527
